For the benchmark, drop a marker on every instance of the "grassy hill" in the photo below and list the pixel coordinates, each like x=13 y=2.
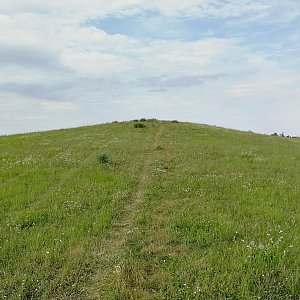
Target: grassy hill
x=169 y=211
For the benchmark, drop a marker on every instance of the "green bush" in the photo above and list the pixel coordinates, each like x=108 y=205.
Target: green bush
x=103 y=159
x=139 y=125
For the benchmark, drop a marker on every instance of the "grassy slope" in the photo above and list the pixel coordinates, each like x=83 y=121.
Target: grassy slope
x=220 y=218
x=221 y=223
x=57 y=200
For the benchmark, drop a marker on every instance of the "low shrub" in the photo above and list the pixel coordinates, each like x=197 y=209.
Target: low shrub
x=139 y=125
x=103 y=159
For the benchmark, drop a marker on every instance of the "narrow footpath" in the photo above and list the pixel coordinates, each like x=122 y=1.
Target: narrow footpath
x=110 y=256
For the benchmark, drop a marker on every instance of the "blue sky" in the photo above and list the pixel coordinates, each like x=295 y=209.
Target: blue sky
x=231 y=63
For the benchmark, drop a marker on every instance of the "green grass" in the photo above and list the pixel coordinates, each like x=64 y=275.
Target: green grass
x=220 y=219
x=57 y=199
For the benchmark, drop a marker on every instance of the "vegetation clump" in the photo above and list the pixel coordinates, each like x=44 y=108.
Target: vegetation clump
x=282 y=135
x=139 y=125
x=104 y=159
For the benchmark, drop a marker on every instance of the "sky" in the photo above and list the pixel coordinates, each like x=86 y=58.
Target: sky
x=230 y=63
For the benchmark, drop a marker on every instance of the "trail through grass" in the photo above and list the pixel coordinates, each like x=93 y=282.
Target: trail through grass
x=110 y=254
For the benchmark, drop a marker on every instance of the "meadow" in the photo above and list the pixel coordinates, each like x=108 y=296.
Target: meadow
x=164 y=210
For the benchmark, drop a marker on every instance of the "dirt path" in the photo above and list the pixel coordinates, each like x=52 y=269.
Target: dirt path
x=110 y=256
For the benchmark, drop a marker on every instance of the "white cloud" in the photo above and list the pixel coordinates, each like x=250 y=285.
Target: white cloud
x=89 y=51
x=92 y=8
x=95 y=63
x=60 y=106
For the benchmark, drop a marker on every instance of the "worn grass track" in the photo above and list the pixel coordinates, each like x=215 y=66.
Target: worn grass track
x=110 y=255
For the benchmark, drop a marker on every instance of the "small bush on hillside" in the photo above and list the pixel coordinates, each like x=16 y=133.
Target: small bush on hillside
x=135 y=120
x=175 y=121
x=139 y=125
x=103 y=159
x=143 y=120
